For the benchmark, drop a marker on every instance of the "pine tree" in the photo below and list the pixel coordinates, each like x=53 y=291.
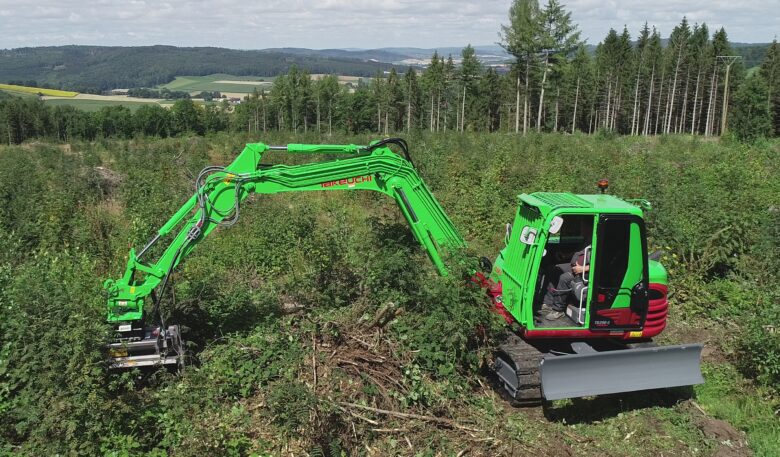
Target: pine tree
x=558 y=38
x=770 y=71
x=470 y=72
x=521 y=39
x=750 y=118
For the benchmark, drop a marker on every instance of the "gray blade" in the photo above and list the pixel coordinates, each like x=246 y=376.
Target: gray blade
x=626 y=370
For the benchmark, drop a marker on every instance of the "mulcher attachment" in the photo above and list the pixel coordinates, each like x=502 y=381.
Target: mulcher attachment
x=149 y=346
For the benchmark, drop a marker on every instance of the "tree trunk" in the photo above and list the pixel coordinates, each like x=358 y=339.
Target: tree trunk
x=646 y=129
x=634 y=120
x=576 y=99
x=658 y=103
x=438 y=113
x=409 y=109
x=724 y=116
x=432 y=110
x=684 y=111
x=609 y=101
x=557 y=99
x=708 y=127
x=463 y=110
x=541 y=93
x=673 y=93
x=695 y=101
x=517 y=105
x=526 y=122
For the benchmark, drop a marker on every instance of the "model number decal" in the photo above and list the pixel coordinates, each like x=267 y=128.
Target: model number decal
x=348 y=181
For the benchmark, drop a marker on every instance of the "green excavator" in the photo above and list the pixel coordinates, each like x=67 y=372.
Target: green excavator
x=600 y=343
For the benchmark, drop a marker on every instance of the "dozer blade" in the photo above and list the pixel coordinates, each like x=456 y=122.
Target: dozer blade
x=623 y=370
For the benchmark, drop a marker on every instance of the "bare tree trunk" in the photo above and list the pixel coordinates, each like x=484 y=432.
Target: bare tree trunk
x=526 y=121
x=432 y=111
x=634 y=120
x=673 y=93
x=616 y=107
x=438 y=113
x=658 y=103
x=541 y=94
x=517 y=105
x=386 y=121
x=576 y=99
x=330 y=117
x=724 y=116
x=684 y=111
x=557 y=99
x=463 y=110
x=649 y=108
x=609 y=101
x=695 y=101
x=710 y=126
x=409 y=109
x=318 y=113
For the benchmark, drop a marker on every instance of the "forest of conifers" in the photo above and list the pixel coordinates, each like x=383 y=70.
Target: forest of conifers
x=629 y=85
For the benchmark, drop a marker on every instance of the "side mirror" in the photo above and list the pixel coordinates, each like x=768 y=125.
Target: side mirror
x=555 y=225
x=528 y=235
x=508 y=234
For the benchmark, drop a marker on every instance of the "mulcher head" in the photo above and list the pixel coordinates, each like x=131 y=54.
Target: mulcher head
x=149 y=346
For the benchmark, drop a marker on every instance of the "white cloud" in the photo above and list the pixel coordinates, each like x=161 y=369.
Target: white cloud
x=346 y=23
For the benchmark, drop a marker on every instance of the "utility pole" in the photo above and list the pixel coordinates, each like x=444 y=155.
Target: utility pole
x=729 y=60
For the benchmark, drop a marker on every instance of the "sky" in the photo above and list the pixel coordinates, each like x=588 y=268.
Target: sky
x=321 y=24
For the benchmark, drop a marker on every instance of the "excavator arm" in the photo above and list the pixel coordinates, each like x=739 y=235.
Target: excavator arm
x=219 y=192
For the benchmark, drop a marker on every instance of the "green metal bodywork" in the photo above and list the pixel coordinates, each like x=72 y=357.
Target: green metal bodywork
x=517 y=266
x=381 y=170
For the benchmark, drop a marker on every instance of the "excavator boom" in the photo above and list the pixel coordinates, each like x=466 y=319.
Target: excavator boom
x=217 y=201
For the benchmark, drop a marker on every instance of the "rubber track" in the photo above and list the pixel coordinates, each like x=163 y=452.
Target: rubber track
x=525 y=359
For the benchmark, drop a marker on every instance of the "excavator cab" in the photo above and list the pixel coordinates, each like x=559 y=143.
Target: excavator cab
x=609 y=236
x=612 y=309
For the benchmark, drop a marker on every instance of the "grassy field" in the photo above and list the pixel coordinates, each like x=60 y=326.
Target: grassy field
x=18 y=94
x=93 y=105
x=37 y=90
x=217 y=82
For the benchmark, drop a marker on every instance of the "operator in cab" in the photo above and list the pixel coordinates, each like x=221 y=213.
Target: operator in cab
x=565 y=275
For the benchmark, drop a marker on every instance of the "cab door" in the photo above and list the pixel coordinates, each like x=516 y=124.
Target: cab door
x=517 y=261
x=619 y=289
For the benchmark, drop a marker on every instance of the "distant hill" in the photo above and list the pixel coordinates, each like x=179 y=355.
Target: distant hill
x=401 y=56
x=98 y=68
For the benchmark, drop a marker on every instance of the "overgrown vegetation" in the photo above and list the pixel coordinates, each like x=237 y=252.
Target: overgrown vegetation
x=318 y=326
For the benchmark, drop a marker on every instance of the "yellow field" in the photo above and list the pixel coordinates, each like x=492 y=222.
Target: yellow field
x=38 y=90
